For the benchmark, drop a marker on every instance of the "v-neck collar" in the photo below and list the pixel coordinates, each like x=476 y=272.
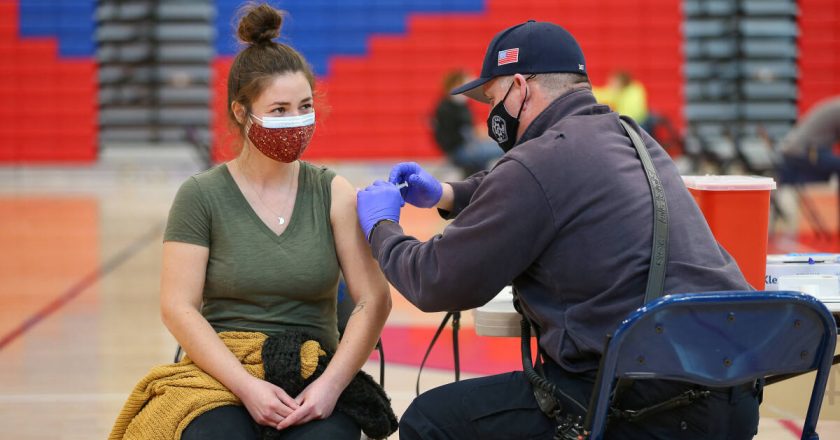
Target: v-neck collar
x=253 y=214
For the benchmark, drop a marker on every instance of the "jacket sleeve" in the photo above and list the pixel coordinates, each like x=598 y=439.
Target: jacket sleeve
x=494 y=239
x=463 y=192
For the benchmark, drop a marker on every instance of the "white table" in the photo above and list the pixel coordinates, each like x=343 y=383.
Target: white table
x=499 y=318
x=833 y=305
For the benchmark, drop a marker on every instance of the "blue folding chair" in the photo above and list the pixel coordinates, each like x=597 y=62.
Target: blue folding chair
x=718 y=339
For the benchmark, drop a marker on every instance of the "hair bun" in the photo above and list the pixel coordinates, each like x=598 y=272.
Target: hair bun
x=259 y=24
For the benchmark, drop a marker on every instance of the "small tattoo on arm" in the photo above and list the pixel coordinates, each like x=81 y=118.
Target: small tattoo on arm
x=358 y=308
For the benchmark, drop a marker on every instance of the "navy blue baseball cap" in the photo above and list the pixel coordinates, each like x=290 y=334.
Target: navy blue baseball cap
x=530 y=47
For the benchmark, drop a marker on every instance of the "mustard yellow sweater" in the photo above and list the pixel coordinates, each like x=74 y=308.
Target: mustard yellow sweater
x=164 y=402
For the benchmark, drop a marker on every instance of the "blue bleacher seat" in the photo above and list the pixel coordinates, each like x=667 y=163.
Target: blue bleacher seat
x=72 y=23
x=357 y=20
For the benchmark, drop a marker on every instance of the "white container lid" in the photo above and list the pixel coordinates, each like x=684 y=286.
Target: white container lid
x=730 y=183
x=814 y=258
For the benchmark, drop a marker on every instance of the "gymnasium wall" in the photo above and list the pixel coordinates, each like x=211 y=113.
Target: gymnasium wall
x=48 y=81
x=819 y=51
x=379 y=62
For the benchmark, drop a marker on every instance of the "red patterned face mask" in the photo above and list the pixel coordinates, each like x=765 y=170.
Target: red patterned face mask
x=282 y=138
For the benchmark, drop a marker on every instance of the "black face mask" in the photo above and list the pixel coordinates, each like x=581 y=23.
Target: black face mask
x=501 y=126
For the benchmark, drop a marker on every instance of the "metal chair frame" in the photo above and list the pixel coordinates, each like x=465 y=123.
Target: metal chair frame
x=719 y=339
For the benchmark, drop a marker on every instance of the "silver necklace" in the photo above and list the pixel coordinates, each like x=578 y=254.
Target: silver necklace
x=280 y=219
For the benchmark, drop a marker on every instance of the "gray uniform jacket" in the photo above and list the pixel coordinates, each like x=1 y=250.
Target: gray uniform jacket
x=567 y=217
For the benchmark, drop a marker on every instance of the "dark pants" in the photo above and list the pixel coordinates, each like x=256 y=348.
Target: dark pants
x=503 y=407
x=814 y=166
x=234 y=423
x=475 y=155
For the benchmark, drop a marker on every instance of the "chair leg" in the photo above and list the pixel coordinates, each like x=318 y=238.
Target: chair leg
x=777 y=210
x=810 y=213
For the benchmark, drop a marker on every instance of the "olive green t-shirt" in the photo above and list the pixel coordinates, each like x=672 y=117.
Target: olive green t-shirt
x=257 y=280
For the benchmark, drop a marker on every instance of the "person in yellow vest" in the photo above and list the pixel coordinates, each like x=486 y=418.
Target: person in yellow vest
x=625 y=95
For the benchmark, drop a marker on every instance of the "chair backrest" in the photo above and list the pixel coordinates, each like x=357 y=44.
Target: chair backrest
x=720 y=339
x=344 y=306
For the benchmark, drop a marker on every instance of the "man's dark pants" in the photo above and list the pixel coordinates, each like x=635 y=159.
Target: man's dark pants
x=504 y=407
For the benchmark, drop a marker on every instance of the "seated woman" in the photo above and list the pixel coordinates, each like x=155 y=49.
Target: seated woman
x=252 y=252
x=455 y=133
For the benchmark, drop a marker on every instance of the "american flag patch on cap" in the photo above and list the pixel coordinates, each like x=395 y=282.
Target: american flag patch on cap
x=508 y=56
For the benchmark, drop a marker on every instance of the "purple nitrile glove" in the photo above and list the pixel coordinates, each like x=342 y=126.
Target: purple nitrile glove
x=380 y=201
x=423 y=191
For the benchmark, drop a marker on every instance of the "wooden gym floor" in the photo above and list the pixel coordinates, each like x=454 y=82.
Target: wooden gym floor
x=79 y=323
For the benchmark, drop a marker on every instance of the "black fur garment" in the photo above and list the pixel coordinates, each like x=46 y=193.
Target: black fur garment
x=363 y=399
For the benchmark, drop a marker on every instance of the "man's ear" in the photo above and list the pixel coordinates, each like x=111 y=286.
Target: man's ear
x=238 y=111
x=521 y=83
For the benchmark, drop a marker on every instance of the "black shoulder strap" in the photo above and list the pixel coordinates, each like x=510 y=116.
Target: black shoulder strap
x=659 y=253
x=543 y=388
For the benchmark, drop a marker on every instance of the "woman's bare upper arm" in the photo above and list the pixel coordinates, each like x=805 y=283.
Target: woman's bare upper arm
x=354 y=255
x=183 y=272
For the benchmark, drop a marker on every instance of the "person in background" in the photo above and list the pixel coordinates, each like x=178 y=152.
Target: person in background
x=455 y=133
x=255 y=246
x=625 y=96
x=567 y=217
x=808 y=149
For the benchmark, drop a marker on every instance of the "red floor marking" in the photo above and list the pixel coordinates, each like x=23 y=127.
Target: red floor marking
x=88 y=280
x=794 y=428
x=479 y=354
x=808 y=243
